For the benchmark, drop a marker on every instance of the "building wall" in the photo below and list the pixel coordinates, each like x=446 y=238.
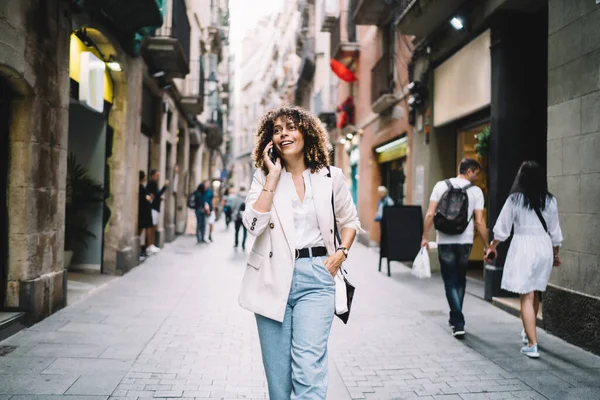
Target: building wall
x=34 y=60
x=379 y=129
x=572 y=304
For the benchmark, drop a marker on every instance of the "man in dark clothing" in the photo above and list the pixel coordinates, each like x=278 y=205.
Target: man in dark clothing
x=238 y=207
x=157 y=197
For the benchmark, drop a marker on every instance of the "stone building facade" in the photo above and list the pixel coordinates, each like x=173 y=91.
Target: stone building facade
x=75 y=80
x=572 y=302
x=34 y=68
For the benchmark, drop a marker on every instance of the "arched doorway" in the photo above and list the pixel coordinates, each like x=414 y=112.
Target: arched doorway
x=6 y=96
x=90 y=142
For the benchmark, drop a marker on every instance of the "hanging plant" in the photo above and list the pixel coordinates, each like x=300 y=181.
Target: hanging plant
x=483 y=143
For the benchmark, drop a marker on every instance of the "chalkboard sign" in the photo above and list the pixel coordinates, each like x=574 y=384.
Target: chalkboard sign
x=401 y=232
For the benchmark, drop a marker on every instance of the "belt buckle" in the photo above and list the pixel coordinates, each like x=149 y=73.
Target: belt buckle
x=297 y=254
x=310 y=254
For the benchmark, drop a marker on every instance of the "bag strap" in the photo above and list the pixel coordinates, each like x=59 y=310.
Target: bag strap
x=335 y=227
x=541 y=217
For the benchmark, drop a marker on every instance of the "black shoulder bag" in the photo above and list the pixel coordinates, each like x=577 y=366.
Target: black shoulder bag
x=349 y=287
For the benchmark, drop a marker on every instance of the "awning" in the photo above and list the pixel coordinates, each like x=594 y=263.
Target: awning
x=392 y=150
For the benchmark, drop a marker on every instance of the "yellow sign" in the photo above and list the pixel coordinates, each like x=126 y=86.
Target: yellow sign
x=77 y=48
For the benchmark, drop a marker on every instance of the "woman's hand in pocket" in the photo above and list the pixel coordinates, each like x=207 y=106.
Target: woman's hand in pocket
x=334 y=262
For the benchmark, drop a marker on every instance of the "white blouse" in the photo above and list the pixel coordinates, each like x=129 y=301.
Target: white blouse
x=305 y=216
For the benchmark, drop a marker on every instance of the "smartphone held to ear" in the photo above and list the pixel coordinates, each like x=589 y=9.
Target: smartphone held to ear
x=273 y=155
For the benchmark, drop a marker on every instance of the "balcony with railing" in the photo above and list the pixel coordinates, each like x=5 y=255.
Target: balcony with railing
x=168 y=50
x=343 y=42
x=132 y=20
x=382 y=84
x=422 y=17
x=192 y=96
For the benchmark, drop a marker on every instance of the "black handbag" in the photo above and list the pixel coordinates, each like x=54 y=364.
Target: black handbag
x=350 y=289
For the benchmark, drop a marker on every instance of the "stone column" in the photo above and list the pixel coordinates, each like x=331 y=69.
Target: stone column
x=34 y=62
x=183 y=157
x=158 y=157
x=168 y=209
x=120 y=238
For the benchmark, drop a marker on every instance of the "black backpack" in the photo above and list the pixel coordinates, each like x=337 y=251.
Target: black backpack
x=191 y=203
x=452 y=213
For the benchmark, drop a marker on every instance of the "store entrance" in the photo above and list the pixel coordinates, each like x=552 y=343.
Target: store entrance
x=394 y=179
x=6 y=96
x=467 y=139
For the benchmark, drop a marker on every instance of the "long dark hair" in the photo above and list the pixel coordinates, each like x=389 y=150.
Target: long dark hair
x=531 y=186
x=200 y=189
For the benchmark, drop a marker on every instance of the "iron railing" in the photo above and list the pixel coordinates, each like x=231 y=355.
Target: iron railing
x=381 y=78
x=178 y=27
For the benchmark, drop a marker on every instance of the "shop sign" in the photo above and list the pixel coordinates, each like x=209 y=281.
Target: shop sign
x=91 y=81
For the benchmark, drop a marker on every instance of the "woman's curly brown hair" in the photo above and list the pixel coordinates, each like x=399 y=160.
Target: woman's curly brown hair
x=316 y=139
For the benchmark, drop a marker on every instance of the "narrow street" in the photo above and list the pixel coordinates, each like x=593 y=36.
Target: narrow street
x=172 y=328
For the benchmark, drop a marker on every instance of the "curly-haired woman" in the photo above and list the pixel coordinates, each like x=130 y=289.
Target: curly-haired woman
x=289 y=279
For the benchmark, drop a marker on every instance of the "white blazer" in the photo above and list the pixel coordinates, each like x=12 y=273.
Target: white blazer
x=270 y=265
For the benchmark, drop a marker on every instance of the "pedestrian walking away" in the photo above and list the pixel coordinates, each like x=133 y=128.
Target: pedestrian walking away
x=453 y=205
x=532 y=212
x=238 y=205
x=289 y=278
x=202 y=211
x=157 y=198
x=227 y=196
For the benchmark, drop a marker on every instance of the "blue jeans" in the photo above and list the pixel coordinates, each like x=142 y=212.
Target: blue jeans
x=200 y=224
x=454 y=259
x=295 y=352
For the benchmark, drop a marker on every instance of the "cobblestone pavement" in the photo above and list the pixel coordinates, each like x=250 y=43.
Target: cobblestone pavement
x=172 y=328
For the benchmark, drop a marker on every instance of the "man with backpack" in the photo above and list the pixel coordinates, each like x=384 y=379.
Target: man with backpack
x=455 y=208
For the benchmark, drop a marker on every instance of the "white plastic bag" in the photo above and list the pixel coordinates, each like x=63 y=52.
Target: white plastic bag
x=421 y=268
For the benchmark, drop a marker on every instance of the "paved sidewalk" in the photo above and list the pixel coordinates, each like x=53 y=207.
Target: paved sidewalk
x=172 y=328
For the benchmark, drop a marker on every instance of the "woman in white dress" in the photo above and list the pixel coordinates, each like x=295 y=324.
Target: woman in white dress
x=534 y=248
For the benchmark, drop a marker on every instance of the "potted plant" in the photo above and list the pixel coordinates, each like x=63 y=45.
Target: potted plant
x=82 y=191
x=483 y=143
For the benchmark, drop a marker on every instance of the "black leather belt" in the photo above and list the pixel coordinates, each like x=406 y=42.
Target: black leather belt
x=311 y=252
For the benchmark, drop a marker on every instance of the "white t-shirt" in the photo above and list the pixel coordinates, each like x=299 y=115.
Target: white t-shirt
x=476 y=202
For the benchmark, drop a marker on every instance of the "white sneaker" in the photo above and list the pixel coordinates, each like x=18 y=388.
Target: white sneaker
x=152 y=249
x=531 y=352
x=524 y=337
